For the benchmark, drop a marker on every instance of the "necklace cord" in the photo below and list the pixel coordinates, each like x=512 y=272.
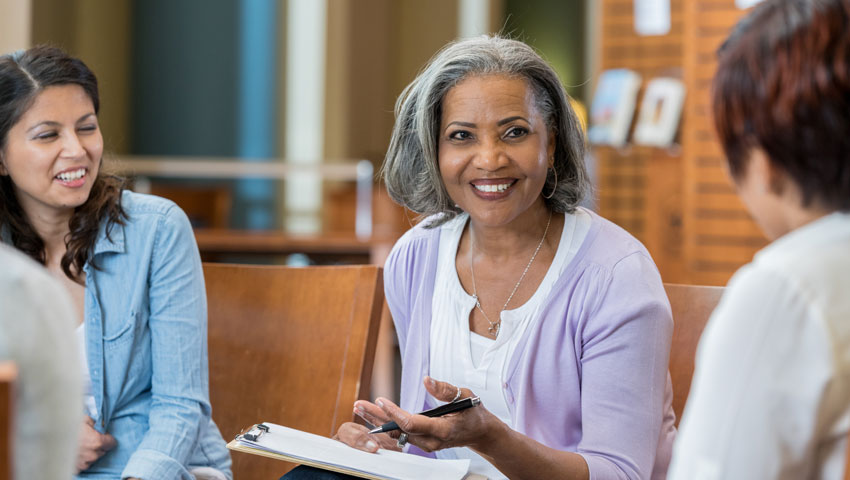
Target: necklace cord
x=496 y=326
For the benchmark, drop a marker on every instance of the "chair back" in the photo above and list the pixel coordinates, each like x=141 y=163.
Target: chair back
x=292 y=346
x=692 y=306
x=8 y=376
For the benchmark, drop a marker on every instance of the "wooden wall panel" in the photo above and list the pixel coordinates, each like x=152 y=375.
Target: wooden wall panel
x=678 y=202
x=719 y=235
x=639 y=188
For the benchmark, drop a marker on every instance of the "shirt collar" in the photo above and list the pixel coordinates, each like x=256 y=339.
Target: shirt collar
x=114 y=242
x=824 y=230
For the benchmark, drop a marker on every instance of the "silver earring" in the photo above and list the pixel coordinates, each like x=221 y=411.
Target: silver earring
x=547 y=197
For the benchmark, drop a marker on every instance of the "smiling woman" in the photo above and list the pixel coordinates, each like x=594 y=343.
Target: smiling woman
x=507 y=290
x=131 y=266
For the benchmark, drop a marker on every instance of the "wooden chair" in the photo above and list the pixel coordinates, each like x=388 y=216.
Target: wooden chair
x=8 y=376
x=292 y=346
x=692 y=306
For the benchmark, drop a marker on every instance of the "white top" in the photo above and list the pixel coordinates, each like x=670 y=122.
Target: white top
x=36 y=324
x=479 y=363
x=771 y=391
x=89 y=406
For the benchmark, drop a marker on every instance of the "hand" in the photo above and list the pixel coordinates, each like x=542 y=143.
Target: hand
x=468 y=428
x=93 y=445
x=358 y=436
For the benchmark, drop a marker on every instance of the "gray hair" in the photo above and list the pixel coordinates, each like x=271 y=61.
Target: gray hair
x=411 y=171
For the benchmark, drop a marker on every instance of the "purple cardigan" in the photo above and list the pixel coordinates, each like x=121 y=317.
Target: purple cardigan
x=590 y=376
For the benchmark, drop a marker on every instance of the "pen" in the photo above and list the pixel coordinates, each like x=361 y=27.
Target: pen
x=434 y=412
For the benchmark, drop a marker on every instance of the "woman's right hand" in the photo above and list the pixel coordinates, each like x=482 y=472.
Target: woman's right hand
x=358 y=436
x=93 y=445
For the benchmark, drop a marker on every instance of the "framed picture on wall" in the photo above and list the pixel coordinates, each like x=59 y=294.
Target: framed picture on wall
x=613 y=107
x=660 y=112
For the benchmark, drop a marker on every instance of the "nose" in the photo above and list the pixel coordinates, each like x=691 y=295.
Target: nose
x=72 y=147
x=490 y=156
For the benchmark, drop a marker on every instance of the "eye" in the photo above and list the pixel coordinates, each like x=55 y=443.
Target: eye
x=516 y=132
x=87 y=128
x=46 y=135
x=460 y=135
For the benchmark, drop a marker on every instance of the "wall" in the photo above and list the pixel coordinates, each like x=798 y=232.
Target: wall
x=677 y=201
x=99 y=33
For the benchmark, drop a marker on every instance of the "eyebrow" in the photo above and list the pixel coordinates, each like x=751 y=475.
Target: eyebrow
x=51 y=123
x=499 y=123
x=511 y=119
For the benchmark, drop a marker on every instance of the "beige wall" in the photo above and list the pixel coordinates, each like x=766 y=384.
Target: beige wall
x=99 y=33
x=15 y=25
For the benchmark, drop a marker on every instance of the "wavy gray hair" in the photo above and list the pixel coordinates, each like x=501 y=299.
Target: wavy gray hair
x=411 y=171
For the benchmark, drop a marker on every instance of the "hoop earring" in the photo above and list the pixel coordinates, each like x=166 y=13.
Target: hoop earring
x=547 y=197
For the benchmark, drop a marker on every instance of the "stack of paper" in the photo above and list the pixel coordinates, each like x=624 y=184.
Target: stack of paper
x=292 y=445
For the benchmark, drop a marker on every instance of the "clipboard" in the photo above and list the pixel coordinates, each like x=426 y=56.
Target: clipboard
x=291 y=445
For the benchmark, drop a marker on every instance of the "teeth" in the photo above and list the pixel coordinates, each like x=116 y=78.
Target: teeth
x=72 y=175
x=492 y=188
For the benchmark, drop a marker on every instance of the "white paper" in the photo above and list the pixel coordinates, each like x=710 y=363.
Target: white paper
x=652 y=17
x=385 y=463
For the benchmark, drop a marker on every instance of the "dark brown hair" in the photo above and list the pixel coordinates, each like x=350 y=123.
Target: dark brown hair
x=783 y=85
x=23 y=75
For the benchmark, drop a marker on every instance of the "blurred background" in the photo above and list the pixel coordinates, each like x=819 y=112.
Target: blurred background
x=267 y=120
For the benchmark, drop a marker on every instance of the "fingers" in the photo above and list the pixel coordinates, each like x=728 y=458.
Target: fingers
x=108 y=442
x=358 y=436
x=92 y=445
x=415 y=425
x=444 y=391
x=370 y=412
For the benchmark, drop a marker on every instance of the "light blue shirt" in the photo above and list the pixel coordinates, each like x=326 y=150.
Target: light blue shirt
x=146 y=331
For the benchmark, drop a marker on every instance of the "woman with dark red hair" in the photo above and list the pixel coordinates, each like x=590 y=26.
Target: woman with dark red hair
x=771 y=392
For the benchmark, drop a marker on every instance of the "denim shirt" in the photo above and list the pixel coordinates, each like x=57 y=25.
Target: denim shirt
x=146 y=331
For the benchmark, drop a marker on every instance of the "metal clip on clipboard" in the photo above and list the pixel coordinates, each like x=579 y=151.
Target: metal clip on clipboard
x=254 y=433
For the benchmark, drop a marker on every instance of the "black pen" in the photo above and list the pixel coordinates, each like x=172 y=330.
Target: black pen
x=434 y=412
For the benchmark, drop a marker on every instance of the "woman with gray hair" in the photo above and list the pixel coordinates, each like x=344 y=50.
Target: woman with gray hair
x=556 y=318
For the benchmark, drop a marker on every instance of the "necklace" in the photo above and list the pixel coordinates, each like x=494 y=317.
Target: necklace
x=494 y=327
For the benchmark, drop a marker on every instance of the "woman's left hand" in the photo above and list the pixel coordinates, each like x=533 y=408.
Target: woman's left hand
x=472 y=427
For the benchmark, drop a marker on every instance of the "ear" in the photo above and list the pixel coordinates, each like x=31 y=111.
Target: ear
x=772 y=178
x=3 y=171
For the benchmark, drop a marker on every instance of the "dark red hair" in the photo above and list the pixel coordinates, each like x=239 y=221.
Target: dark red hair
x=783 y=85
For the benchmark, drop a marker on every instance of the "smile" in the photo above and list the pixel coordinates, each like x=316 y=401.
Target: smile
x=72 y=175
x=493 y=188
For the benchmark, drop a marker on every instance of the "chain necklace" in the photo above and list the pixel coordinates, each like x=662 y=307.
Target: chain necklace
x=494 y=327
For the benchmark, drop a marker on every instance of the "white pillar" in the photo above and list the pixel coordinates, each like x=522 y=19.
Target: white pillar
x=306 y=28
x=473 y=17
x=15 y=25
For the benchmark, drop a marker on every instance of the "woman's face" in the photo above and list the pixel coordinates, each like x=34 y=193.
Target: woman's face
x=494 y=148
x=53 y=153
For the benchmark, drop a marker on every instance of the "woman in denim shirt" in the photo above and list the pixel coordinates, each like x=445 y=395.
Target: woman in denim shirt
x=131 y=265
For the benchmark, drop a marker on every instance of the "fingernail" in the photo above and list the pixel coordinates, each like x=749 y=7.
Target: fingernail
x=360 y=409
x=379 y=403
x=432 y=382
x=371 y=445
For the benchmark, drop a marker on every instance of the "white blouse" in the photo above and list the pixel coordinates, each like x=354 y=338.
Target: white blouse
x=479 y=363
x=771 y=392
x=90 y=408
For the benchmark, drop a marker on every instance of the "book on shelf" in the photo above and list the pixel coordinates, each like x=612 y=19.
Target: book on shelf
x=613 y=107
x=660 y=112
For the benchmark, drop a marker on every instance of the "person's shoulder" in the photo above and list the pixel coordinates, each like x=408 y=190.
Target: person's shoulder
x=421 y=235
x=608 y=243
x=23 y=280
x=140 y=204
x=17 y=268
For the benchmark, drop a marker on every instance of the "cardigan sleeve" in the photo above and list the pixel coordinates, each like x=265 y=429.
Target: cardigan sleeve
x=625 y=345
